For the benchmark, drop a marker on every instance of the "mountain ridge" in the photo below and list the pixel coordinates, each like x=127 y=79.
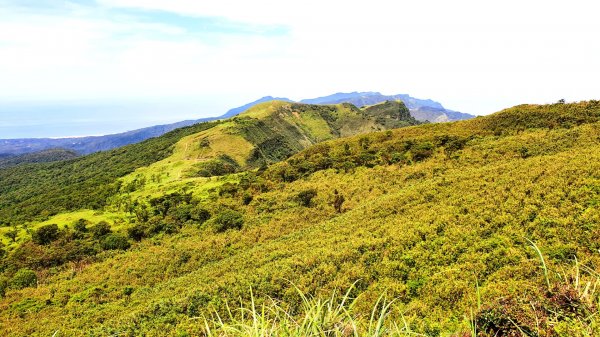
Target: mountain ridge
x=422 y=109
x=87 y=145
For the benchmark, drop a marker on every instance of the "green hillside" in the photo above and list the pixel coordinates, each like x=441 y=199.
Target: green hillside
x=45 y=156
x=35 y=191
x=487 y=227
x=269 y=132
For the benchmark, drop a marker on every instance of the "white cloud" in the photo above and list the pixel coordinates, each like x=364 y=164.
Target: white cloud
x=473 y=56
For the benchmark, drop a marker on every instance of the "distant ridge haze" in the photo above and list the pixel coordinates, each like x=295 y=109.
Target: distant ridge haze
x=421 y=109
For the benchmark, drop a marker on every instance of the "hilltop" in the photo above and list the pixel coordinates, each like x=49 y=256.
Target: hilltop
x=422 y=110
x=484 y=227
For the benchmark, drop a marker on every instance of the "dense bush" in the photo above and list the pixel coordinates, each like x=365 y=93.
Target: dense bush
x=219 y=166
x=3 y=286
x=115 y=242
x=100 y=230
x=228 y=219
x=422 y=151
x=45 y=234
x=200 y=214
x=31 y=255
x=167 y=225
x=137 y=232
x=23 y=278
x=182 y=213
x=81 y=225
x=305 y=197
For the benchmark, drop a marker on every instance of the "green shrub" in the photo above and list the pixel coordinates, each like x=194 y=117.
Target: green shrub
x=228 y=219
x=45 y=234
x=196 y=302
x=12 y=234
x=81 y=225
x=182 y=213
x=100 y=230
x=128 y=290
x=23 y=278
x=422 y=151
x=167 y=225
x=3 y=286
x=247 y=198
x=200 y=214
x=137 y=232
x=219 y=166
x=228 y=189
x=305 y=197
x=115 y=242
x=524 y=152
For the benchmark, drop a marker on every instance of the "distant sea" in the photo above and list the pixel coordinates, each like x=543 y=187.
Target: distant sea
x=57 y=120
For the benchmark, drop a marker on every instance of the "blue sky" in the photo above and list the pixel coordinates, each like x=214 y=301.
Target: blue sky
x=105 y=66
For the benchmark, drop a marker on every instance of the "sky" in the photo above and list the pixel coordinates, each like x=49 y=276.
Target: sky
x=70 y=68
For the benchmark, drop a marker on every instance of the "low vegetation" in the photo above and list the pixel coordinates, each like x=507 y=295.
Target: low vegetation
x=486 y=227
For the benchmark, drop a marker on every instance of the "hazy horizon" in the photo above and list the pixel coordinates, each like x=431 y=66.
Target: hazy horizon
x=89 y=118
x=168 y=61
x=96 y=118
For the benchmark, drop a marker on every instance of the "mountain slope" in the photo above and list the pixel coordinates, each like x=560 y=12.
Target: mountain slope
x=436 y=217
x=87 y=145
x=38 y=190
x=43 y=156
x=422 y=110
x=265 y=134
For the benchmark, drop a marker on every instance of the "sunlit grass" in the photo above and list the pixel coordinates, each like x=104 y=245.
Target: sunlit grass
x=333 y=316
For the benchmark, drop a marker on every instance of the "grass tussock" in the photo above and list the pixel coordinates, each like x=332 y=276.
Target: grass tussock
x=332 y=317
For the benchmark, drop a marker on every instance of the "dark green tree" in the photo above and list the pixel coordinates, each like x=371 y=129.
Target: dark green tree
x=228 y=219
x=100 y=230
x=12 y=234
x=115 y=242
x=45 y=234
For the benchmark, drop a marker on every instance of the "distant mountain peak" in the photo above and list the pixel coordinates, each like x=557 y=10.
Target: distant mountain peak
x=420 y=109
x=238 y=110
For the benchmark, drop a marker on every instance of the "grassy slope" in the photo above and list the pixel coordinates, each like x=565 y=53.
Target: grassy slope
x=272 y=127
x=425 y=232
x=34 y=194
